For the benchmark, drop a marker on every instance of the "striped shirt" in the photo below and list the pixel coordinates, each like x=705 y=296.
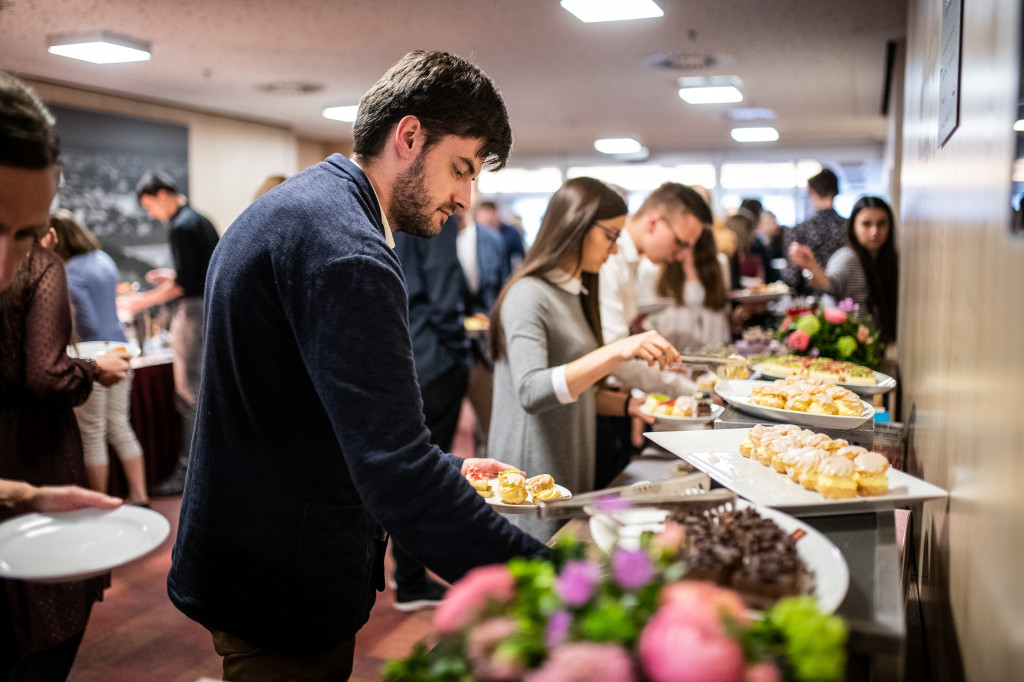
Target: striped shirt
x=846 y=279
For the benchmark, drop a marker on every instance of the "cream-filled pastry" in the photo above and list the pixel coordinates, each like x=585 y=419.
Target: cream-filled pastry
x=835 y=478
x=870 y=474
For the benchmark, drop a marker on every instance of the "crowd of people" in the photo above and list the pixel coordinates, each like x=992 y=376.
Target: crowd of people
x=324 y=348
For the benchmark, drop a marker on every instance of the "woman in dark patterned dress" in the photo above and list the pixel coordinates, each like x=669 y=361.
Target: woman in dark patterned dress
x=41 y=625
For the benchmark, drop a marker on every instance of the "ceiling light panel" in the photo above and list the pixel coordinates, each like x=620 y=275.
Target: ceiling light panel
x=710 y=89
x=591 y=11
x=347 y=113
x=617 y=145
x=102 y=47
x=755 y=134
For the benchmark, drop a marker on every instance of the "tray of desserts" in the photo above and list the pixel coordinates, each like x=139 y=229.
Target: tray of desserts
x=90 y=350
x=512 y=493
x=737 y=461
x=797 y=400
x=760 y=293
x=764 y=554
x=860 y=380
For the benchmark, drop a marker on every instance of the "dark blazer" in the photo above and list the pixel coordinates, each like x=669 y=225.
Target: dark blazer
x=309 y=435
x=493 y=268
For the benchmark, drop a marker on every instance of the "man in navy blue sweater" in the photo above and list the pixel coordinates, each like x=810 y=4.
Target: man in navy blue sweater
x=310 y=436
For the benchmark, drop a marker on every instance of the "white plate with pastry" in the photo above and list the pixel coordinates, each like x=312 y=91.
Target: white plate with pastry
x=64 y=546
x=513 y=493
x=828 y=573
x=670 y=420
x=717 y=454
x=883 y=382
x=737 y=392
x=90 y=350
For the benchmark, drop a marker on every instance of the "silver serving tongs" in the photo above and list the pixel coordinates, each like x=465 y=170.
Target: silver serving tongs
x=689 y=488
x=729 y=367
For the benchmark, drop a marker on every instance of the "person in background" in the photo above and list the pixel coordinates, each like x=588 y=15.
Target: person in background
x=441 y=353
x=865 y=270
x=725 y=239
x=192 y=239
x=482 y=256
x=103 y=417
x=310 y=438
x=700 y=316
x=18 y=497
x=824 y=232
x=548 y=350
x=487 y=214
x=768 y=245
x=663 y=229
x=744 y=265
x=41 y=624
x=270 y=183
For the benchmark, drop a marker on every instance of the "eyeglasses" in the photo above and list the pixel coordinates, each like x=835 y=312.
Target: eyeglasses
x=610 y=232
x=681 y=244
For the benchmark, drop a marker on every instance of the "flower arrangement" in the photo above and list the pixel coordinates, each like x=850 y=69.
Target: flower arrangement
x=563 y=620
x=839 y=333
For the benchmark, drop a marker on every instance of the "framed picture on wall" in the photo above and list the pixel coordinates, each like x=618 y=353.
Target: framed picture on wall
x=103 y=156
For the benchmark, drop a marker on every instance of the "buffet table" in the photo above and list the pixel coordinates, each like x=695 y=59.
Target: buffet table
x=873 y=606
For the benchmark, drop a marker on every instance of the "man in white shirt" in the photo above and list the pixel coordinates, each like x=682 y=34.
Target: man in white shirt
x=669 y=222
x=666 y=225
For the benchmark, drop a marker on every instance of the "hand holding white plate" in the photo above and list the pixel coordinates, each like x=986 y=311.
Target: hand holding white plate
x=65 y=546
x=90 y=350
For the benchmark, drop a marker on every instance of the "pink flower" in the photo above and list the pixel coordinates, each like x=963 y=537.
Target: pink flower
x=632 y=568
x=835 y=315
x=468 y=598
x=785 y=324
x=585 y=662
x=680 y=644
x=863 y=334
x=576 y=583
x=798 y=340
x=705 y=601
x=763 y=672
x=670 y=539
x=557 y=628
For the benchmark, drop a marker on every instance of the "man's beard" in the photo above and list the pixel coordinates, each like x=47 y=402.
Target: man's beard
x=409 y=210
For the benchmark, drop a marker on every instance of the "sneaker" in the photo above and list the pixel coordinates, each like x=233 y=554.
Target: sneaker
x=425 y=595
x=171 y=486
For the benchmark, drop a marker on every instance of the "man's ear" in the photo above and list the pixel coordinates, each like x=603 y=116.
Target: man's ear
x=651 y=219
x=408 y=137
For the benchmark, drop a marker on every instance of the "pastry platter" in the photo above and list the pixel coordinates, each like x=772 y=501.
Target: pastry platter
x=737 y=393
x=527 y=507
x=716 y=453
x=883 y=382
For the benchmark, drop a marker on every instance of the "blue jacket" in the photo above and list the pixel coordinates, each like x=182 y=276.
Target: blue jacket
x=436 y=307
x=309 y=436
x=493 y=267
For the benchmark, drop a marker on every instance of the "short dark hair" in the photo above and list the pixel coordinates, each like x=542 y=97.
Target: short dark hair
x=28 y=132
x=824 y=184
x=675 y=196
x=154 y=181
x=447 y=94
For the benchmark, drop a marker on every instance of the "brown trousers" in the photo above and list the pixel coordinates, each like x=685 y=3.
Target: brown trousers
x=245 y=662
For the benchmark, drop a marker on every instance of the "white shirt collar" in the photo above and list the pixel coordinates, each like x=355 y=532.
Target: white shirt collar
x=388 y=236
x=566 y=282
x=627 y=248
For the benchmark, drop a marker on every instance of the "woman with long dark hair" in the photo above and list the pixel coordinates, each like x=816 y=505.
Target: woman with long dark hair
x=548 y=349
x=865 y=270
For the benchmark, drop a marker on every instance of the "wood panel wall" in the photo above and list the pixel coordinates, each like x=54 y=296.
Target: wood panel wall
x=961 y=331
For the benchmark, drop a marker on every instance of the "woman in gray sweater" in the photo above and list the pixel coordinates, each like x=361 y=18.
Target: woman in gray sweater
x=546 y=342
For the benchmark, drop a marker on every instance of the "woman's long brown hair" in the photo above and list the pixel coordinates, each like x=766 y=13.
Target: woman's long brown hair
x=709 y=272
x=570 y=215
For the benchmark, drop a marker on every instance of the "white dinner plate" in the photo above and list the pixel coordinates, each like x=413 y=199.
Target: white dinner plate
x=717 y=453
x=737 y=393
x=90 y=350
x=670 y=420
x=524 y=508
x=883 y=382
x=63 y=546
x=829 y=574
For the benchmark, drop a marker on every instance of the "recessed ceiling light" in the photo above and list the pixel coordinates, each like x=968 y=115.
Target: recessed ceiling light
x=617 y=145
x=100 y=47
x=347 y=113
x=756 y=134
x=751 y=114
x=710 y=89
x=590 y=11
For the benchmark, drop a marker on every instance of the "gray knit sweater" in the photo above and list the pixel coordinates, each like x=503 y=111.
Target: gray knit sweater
x=544 y=327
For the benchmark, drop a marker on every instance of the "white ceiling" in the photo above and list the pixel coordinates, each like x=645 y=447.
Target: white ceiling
x=820 y=64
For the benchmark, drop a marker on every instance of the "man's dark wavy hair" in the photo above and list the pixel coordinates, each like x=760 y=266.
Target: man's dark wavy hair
x=447 y=94
x=28 y=132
